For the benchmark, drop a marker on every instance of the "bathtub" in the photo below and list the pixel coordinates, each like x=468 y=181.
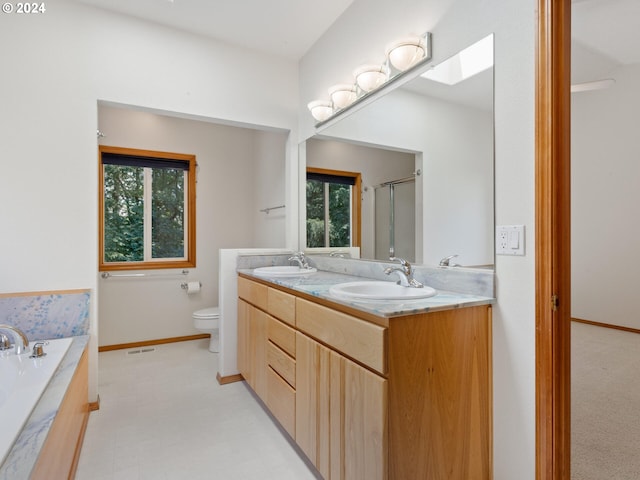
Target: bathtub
x=22 y=381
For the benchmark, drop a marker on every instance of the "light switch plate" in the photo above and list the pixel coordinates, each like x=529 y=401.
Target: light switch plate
x=510 y=240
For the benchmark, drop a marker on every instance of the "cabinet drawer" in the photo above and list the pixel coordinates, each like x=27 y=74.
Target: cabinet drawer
x=282 y=363
x=363 y=341
x=282 y=336
x=282 y=305
x=281 y=400
x=252 y=292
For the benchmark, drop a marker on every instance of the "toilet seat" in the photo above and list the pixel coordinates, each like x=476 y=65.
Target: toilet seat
x=207 y=313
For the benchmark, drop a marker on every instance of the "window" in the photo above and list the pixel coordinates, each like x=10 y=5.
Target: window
x=333 y=208
x=147 y=209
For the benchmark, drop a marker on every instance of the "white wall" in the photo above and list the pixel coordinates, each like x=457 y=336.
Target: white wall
x=269 y=183
x=59 y=64
x=137 y=309
x=605 y=198
x=363 y=30
x=375 y=165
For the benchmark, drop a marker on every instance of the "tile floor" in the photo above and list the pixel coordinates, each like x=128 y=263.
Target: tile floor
x=163 y=415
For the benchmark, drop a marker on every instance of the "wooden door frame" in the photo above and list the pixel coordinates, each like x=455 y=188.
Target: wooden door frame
x=553 y=226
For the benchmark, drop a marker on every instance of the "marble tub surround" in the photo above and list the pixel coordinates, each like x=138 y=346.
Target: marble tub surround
x=23 y=455
x=47 y=315
x=319 y=283
x=472 y=281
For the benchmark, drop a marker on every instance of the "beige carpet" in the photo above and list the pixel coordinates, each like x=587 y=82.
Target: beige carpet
x=605 y=391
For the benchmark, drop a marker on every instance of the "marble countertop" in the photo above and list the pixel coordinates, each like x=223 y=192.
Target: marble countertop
x=24 y=453
x=319 y=283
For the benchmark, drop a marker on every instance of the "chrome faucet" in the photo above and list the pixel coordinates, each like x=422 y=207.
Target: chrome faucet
x=405 y=272
x=21 y=342
x=446 y=261
x=301 y=259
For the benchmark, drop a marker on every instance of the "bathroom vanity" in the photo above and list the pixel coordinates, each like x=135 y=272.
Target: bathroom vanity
x=371 y=396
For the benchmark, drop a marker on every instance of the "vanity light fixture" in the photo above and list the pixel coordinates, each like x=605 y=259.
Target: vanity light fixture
x=342 y=95
x=406 y=52
x=320 y=109
x=402 y=56
x=370 y=77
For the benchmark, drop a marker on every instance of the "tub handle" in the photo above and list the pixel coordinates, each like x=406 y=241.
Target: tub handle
x=38 y=350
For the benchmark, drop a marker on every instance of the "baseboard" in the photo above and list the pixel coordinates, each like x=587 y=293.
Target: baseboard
x=229 y=378
x=146 y=343
x=606 y=325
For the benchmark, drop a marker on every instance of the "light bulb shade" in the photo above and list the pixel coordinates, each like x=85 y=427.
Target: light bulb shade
x=405 y=53
x=370 y=77
x=320 y=109
x=342 y=95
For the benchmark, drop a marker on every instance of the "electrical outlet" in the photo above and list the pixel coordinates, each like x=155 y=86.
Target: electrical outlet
x=510 y=240
x=502 y=239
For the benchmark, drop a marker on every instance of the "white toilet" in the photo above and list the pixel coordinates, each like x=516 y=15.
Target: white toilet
x=207 y=320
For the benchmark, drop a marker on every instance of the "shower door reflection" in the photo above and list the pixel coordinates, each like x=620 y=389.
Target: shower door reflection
x=395 y=220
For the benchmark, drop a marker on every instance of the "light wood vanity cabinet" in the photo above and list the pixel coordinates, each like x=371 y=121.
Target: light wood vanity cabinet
x=399 y=398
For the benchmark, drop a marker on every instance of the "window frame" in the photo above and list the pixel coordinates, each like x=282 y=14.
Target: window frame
x=356 y=201
x=190 y=217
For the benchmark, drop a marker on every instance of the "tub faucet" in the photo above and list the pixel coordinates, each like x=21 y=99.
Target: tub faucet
x=301 y=259
x=405 y=272
x=5 y=344
x=21 y=341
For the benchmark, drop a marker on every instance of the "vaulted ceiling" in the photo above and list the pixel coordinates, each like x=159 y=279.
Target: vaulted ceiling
x=605 y=32
x=286 y=28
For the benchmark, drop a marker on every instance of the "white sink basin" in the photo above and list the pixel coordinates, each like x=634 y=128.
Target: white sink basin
x=377 y=290
x=283 y=271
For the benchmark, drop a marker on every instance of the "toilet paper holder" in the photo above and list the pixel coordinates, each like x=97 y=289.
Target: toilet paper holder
x=185 y=285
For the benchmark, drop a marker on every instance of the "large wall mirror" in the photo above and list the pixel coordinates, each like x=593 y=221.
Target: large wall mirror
x=424 y=154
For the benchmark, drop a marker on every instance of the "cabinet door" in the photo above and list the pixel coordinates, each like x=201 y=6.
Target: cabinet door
x=318 y=418
x=341 y=414
x=365 y=423
x=440 y=400
x=258 y=351
x=307 y=366
x=252 y=347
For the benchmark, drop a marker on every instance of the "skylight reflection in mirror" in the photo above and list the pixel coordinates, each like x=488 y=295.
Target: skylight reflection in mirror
x=465 y=64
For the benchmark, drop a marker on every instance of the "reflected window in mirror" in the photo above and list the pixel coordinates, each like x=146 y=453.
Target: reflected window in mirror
x=333 y=208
